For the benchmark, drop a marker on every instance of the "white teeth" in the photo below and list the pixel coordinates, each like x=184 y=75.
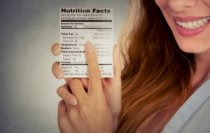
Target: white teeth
x=193 y=24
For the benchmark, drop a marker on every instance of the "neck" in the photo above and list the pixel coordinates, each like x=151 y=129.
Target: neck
x=202 y=71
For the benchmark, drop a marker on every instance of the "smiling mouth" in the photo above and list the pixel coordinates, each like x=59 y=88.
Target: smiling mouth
x=192 y=25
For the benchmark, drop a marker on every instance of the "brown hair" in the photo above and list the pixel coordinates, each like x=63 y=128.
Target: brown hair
x=156 y=75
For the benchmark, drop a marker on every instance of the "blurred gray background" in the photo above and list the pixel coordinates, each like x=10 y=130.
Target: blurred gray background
x=28 y=100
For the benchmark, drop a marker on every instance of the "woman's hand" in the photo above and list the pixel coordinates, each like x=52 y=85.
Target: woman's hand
x=110 y=91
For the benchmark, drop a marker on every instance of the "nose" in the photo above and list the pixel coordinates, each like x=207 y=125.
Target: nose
x=181 y=5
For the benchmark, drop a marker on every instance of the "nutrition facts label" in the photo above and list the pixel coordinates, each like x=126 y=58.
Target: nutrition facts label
x=78 y=25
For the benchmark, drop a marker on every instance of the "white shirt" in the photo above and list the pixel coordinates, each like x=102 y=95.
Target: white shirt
x=194 y=115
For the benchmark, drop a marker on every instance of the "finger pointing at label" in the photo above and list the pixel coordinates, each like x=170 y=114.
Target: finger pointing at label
x=93 y=69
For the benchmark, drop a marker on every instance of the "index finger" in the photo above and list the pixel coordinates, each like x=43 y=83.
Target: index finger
x=93 y=69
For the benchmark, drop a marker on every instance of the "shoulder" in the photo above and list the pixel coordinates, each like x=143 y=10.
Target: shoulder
x=193 y=116
x=199 y=122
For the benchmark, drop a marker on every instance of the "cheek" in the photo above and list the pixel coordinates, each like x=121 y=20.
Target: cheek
x=162 y=3
x=207 y=3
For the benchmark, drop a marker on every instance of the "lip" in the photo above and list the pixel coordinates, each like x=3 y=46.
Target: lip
x=187 y=19
x=189 y=32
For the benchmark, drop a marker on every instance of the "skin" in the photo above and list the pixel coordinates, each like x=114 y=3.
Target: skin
x=198 y=44
x=95 y=110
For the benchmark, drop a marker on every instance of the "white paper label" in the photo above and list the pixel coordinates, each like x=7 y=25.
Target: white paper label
x=78 y=25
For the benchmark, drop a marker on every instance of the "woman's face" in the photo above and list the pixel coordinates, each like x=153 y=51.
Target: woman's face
x=189 y=21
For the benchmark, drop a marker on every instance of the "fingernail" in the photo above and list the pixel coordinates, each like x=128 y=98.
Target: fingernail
x=57 y=51
x=89 y=47
x=73 y=102
x=118 y=49
x=60 y=76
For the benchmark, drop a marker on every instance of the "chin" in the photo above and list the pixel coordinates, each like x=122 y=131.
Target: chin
x=192 y=47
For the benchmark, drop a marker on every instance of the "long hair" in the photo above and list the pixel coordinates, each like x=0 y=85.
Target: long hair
x=156 y=75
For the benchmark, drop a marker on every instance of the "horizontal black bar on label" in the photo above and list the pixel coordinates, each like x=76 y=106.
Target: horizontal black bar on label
x=86 y=20
x=75 y=64
x=86 y=64
x=83 y=28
